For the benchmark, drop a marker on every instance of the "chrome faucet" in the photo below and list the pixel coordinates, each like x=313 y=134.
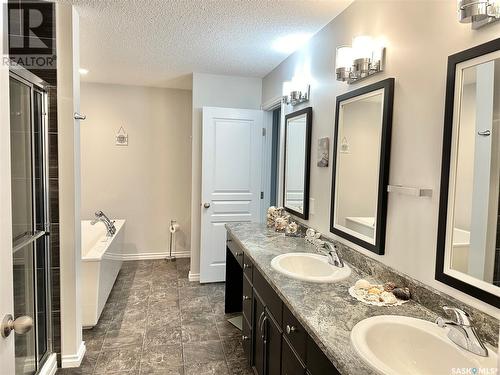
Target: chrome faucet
x=462 y=332
x=333 y=255
x=110 y=225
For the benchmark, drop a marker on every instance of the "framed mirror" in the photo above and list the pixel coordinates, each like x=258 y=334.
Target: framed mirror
x=362 y=144
x=297 y=162
x=468 y=245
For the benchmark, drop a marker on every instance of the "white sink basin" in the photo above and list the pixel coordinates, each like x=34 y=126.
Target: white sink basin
x=309 y=267
x=402 y=345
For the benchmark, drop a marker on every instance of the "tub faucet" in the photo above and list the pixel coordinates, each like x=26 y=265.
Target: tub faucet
x=110 y=225
x=462 y=332
x=333 y=255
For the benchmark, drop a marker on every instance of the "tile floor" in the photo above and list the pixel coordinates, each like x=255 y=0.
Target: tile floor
x=157 y=322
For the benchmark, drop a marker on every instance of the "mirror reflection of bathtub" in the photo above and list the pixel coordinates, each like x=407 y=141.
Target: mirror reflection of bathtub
x=460 y=250
x=361 y=225
x=101 y=262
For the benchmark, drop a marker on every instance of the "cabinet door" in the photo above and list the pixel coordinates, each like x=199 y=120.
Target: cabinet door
x=247 y=299
x=291 y=364
x=246 y=339
x=258 y=336
x=272 y=346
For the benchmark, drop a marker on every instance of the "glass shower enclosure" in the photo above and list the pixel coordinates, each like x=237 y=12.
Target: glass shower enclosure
x=30 y=218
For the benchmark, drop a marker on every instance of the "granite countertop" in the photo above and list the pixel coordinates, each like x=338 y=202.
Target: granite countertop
x=326 y=311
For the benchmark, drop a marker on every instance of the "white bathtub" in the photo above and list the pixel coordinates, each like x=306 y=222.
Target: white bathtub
x=101 y=262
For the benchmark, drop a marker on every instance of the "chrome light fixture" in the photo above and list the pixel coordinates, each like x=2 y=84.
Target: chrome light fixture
x=478 y=12
x=363 y=59
x=297 y=96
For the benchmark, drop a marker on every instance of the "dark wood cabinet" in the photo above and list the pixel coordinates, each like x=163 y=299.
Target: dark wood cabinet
x=290 y=363
x=274 y=341
x=295 y=333
x=267 y=340
x=246 y=340
x=247 y=299
x=317 y=361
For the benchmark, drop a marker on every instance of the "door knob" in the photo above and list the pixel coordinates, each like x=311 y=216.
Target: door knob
x=21 y=325
x=206 y=205
x=79 y=116
x=484 y=133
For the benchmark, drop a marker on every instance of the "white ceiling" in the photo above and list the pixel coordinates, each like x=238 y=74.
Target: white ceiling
x=161 y=42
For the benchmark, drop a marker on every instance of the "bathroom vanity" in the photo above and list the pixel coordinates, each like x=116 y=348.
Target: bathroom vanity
x=274 y=340
x=293 y=327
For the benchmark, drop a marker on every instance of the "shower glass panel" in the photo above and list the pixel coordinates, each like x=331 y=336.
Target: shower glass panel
x=29 y=221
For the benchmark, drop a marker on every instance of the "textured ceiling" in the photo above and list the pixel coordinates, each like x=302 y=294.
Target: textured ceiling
x=161 y=42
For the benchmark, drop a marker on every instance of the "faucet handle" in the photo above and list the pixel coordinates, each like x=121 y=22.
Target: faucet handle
x=461 y=317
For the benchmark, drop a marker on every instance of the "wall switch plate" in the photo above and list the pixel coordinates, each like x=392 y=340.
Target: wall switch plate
x=311 y=206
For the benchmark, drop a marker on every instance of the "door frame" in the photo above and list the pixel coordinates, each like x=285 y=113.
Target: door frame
x=7 y=356
x=268 y=109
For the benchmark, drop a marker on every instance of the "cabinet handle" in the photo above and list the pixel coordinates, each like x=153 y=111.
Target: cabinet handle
x=245 y=266
x=261 y=321
x=290 y=329
x=244 y=338
x=239 y=254
x=246 y=298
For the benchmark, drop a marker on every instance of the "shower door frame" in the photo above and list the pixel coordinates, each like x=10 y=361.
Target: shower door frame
x=35 y=83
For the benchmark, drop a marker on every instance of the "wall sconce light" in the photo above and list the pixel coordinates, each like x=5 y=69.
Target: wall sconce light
x=478 y=12
x=363 y=59
x=297 y=94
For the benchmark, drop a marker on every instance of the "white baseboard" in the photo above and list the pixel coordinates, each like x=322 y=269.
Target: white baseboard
x=74 y=360
x=193 y=276
x=155 y=255
x=50 y=366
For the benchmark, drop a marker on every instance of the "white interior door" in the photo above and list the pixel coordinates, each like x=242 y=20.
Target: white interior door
x=6 y=280
x=231 y=180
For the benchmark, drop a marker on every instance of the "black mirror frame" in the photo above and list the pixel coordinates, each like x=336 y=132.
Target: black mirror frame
x=453 y=60
x=307 y=167
x=385 y=150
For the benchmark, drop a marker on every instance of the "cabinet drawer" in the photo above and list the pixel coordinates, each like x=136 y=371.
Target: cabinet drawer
x=290 y=364
x=295 y=333
x=247 y=299
x=235 y=250
x=269 y=297
x=246 y=339
x=248 y=267
x=317 y=361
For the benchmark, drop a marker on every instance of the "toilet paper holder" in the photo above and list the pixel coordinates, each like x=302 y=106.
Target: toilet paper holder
x=173 y=229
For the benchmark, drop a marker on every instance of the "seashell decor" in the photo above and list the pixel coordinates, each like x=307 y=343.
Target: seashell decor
x=277 y=218
x=388 y=294
x=314 y=238
x=292 y=230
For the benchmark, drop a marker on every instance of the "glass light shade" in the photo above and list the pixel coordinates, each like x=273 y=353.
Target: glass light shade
x=344 y=57
x=377 y=49
x=362 y=47
x=287 y=87
x=494 y=8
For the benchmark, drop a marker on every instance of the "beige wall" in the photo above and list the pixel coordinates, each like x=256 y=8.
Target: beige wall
x=148 y=182
x=211 y=90
x=420 y=36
